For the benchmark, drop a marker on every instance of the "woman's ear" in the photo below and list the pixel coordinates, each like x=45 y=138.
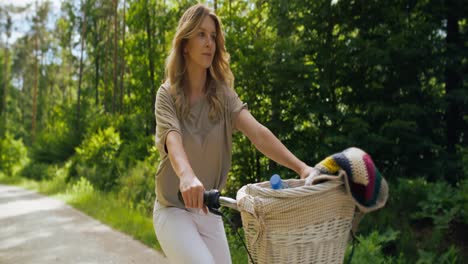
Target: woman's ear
x=184 y=47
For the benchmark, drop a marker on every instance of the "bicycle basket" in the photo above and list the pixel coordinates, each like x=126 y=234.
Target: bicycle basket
x=301 y=224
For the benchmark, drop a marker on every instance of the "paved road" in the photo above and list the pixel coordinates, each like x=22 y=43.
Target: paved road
x=37 y=229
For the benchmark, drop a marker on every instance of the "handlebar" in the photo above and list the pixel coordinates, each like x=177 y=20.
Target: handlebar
x=213 y=200
x=228 y=202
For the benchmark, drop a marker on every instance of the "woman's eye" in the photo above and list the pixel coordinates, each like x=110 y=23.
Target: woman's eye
x=201 y=34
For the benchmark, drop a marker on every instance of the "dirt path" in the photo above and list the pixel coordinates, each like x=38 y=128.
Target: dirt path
x=37 y=229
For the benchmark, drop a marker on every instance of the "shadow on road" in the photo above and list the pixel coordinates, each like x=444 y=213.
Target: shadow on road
x=37 y=229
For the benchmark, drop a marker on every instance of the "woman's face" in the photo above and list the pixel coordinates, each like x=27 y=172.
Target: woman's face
x=200 y=48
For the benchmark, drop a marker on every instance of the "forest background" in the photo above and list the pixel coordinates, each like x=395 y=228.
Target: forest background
x=77 y=102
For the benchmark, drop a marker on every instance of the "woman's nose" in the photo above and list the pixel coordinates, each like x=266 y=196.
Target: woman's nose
x=209 y=42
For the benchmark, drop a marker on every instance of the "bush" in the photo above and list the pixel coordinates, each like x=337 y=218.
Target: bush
x=137 y=142
x=80 y=191
x=13 y=155
x=448 y=257
x=57 y=182
x=134 y=151
x=55 y=144
x=463 y=192
x=442 y=207
x=96 y=158
x=425 y=213
x=464 y=158
x=36 y=171
x=369 y=249
x=138 y=185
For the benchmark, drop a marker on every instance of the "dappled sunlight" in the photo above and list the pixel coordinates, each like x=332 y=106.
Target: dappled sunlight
x=38 y=229
x=25 y=207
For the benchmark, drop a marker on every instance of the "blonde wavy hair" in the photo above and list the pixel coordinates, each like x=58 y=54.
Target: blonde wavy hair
x=219 y=74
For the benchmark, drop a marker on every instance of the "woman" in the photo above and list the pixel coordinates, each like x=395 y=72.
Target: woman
x=197 y=111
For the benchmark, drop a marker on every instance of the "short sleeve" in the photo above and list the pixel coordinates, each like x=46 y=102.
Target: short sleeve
x=234 y=106
x=166 y=118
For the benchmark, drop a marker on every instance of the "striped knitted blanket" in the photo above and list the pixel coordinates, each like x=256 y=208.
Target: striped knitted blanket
x=363 y=176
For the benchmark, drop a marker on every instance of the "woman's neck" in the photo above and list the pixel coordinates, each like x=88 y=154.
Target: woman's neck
x=196 y=82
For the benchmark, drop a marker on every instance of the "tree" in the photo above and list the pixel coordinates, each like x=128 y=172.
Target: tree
x=122 y=60
x=115 y=66
x=455 y=94
x=80 y=73
x=36 y=73
x=3 y=106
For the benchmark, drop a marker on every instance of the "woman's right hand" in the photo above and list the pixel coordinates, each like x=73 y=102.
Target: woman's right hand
x=192 y=192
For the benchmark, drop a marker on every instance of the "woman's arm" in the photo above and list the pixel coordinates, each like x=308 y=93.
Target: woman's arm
x=190 y=186
x=267 y=143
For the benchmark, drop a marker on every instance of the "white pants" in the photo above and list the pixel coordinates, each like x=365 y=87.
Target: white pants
x=190 y=236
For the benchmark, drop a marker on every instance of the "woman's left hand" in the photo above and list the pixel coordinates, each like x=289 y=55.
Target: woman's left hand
x=309 y=171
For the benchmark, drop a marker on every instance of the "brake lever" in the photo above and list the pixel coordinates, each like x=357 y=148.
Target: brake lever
x=215 y=211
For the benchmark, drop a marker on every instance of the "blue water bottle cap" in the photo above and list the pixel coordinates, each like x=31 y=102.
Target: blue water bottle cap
x=275 y=182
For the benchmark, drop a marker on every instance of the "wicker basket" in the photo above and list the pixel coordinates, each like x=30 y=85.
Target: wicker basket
x=301 y=224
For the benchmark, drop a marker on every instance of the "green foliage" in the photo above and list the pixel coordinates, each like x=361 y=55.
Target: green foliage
x=36 y=171
x=57 y=141
x=100 y=147
x=464 y=154
x=57 y=182
x=370 y=249
x=80 y=191
x=137 y=185
x=404 y=197
x=238 y=252
x=13 y=155
x=96 y=158
x=427 y=215
x=136 y=145
x=53 y=176
x=463 y=192
x=448 y=257
x=442 y=205
x=406 y=193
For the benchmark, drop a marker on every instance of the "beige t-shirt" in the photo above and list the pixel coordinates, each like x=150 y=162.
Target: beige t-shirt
x=208 y=144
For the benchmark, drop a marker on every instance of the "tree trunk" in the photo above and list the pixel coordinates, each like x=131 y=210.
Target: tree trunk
x=80 y=75
x=105 y=68
x=96 y=62
x=3 y=110
x=115 y=92
x=453 y=82
x=36 y=73
x=149 y=33
x=122 y=61
x=21 y=102
x=3 y=107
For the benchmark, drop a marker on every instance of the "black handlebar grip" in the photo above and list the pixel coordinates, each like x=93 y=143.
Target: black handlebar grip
x=210 y=198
